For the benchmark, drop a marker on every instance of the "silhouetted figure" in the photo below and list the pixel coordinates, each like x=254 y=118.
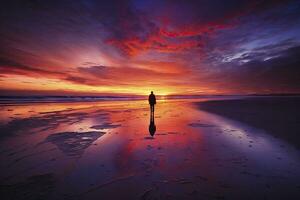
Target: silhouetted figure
x=152 y=101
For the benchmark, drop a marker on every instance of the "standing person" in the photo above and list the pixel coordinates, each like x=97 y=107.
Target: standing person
x=152 y=102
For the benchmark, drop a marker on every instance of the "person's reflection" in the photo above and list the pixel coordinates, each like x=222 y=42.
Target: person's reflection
x=152 y=102
x=152 y=127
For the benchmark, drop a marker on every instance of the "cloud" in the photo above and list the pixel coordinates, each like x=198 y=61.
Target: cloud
x=177 y=26
x=189 y=44
x=280 y=74
x=13 y=67
x=104 y=75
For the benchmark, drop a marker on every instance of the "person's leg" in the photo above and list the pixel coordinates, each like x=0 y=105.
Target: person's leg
x=152 y=109
x=152 y=112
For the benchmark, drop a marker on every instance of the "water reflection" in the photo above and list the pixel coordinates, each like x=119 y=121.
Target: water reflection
x=152 y=127
x=192 y=149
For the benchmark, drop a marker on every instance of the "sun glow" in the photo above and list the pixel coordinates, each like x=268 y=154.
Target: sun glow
x=18 y=82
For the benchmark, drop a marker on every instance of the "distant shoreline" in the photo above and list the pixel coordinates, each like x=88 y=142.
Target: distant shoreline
x=279 y=116
x=4 y=99
x=61 y=99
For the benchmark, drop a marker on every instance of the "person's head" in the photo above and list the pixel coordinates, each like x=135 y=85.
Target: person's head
x=151 y=92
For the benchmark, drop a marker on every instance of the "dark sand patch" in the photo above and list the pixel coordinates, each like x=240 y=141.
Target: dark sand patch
x=279 y=116
x=34 y=187
x=168 y=133
x=74 y=143
x=30 y=155
x=45 y=122
x=102 y=185
x=105 y=126
x=173 y=133
x=201 y=125
x=161 y=134
x=149 y=138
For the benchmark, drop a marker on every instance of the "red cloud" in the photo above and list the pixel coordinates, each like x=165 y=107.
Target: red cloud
x=166 y=39
x=6 y=69
x=178 y=26
x=158 y=42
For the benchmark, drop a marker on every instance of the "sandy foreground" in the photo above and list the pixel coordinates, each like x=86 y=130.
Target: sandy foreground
x=104 y=150
x=279 y=116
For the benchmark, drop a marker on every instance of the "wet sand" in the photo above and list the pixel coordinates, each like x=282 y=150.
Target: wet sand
x=279 y=116
x=104 y=150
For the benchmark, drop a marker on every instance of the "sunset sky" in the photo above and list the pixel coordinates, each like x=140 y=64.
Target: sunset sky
x=133 y=47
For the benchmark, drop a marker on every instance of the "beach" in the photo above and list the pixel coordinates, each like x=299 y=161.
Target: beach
x=202 y=149
x=279 y=116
